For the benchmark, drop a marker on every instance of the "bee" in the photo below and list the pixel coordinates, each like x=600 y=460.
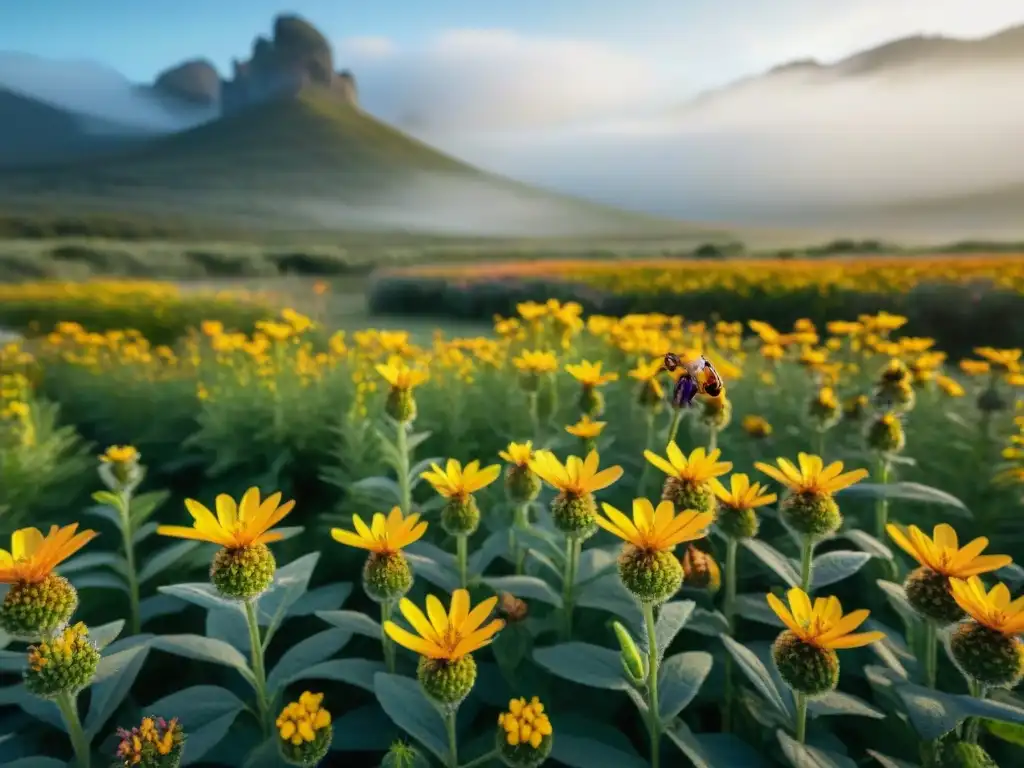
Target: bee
x=698 y=377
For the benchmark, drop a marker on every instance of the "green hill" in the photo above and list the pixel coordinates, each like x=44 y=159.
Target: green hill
x=310 y=162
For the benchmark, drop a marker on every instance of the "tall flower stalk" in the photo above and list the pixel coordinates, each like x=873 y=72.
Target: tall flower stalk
x=574 y=510
x=652 y=573
x=650 y=398
x=522 y=487
x=387 y=576
x=121 y=473
x=244 y=567
x=400 y=405
x=460 y=516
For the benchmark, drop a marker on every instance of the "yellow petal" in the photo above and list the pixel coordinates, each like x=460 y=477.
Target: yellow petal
x=437 y=615
x=227 y=511
x=845 y=625
x=985 y=564
x=903 y=542
x=419 y=622
x=201 y=515
x=604 y=478
x=25 y=542
x=660 y=463
x=621 y=525
x=783 y=613
x=459 y=609
x=855 y=641
x=415 y=644
x=944 y=535
x=187 y=532
x=350 y=539
x=478 y=615
x=800 y=605
x=248 y=510
x=478 y=638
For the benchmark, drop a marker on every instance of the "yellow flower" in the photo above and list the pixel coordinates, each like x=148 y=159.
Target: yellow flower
x=446 y=635
x=812 y=478
x=974 y=367
x=385 y=535
x=589 y=374
x=577 y=477
x=823 y=624
x=586 y=428
x=456 y=481
x=992 y=609
x=235 y=525
x=697 y=468
x=742 y=494
x=300 y=720
x=519 y=454
x=951 y=387
x=399 y=375
x=942 y=554
x=653 y=529
x=647 y=372
x=525 y=723
x=1007 y=360
x=33 y=556
x=120 y=454
x=756 y=426
x=535 y=361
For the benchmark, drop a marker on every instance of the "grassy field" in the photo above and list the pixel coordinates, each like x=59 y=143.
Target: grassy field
x=311 y=413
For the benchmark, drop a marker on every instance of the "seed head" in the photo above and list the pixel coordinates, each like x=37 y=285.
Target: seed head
x=244 y=573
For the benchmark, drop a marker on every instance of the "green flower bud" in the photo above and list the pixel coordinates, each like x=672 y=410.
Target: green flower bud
x=854 y=408
x=460 y=516
x=824 y=410
x=685 y=495
x=738 y=523
x=591 y=401
x=894 y=396
x=700 y=570
x=524 y=735
x=447 y=681
x=885 y=434
x=521 y=484
x=804 y=667
x=400 y=405
x=716 y=413
x=632 y=661
x=402 y=755
x=65 y=663
x=244 y=573
x=931 y=596
x=574 y=515
x=32 y=610
x=650 y=397
x=991 y=400
x=653 y=576
x=950 y=752
x=387 y=576
x=988 y=656
x=811 y=514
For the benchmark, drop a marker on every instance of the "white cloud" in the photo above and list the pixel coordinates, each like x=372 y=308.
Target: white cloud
x=473 y=80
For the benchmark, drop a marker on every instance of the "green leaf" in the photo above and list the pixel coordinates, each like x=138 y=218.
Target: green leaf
x=288 y=531
x=229 y=626
x=756 y=673
x=325 y=598
x=357 y=672
x=934 y=713
x=159 y=562
x=160 y=605
x=13 y=661
x=290 y=583
x=889 y=762
x=105 y=634
x=898 y=600
x=838 y=703
x=1009 y=732
x=866 y=542
x=98 y=580
x=36 y=762
x=583 y=663
x=205 y=712
x=756 y=608
x=672 y=617
x=581 y=752
x=91 y=560
x=143 y=532
x=202 y=594
x=419 y=468
x=802 y=756
x=145 y=504
x=907 y=492
x=40 y=709
x=714 y=750
x=595 y=563
x=525 y=588
x=494 y=546
x=833 y=567
x=306 y=653
x=204 y=649
x=608 y=594
x=114 y=678
x=679 y=680
x=107 y=498
x=403 y=701
x=775 y=560
x=707 y=623
x=433 y=572
x=366 y=729
x=352 y=621
x=382 y=489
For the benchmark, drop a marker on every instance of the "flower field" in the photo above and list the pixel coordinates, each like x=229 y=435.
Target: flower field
x=256 y=542
x=955 y=299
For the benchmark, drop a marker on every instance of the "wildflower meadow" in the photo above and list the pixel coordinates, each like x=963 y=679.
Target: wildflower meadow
x=257 y=541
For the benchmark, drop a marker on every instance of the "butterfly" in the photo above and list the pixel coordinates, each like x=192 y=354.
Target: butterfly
x=698 y=377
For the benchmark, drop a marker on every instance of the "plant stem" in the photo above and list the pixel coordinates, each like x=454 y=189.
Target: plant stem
x=978 y=691
x=520 y=522
x=572 y=550
x=68 y=706
x=389 y=649
x=712 y=440
x=653 y=711
x=462 y=557
x=127 y=533
x=453 y=742
x=482 y=760
x=801 y=716
x=806 y=557
x=729 y=609
x=648 y=440
x=882 y=504
x=531 y=400
x=258 y=669
x=402 y=446
x=930 y=654
x=673 y=427
x=821 y=443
